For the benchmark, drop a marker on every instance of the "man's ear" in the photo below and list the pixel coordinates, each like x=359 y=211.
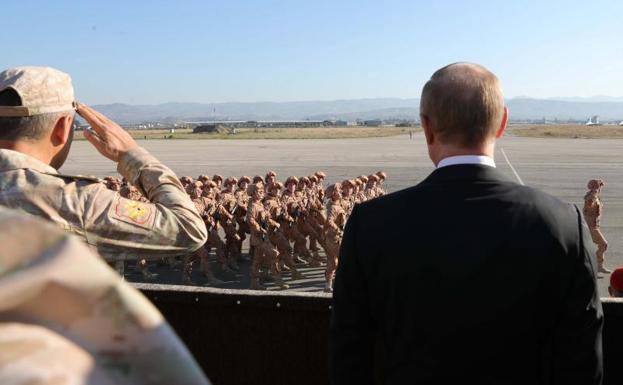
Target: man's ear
x=500 y=131
x=62 y=130
x=428 y=130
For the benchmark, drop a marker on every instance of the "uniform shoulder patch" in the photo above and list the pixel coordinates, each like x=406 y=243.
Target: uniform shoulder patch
x=134 y=212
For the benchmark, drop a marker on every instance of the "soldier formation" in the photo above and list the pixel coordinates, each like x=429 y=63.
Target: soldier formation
x=287 y=223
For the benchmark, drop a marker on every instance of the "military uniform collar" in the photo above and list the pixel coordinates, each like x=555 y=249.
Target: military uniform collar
x=15 y=160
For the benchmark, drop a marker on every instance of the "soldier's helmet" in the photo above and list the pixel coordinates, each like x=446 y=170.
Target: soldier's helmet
x=334 y=187
x=186 y=180
x=217 y=177
x=244 y=179
x=209 y=185
x=257 y=179
x=274 y=187
x=363 y=178
x=190 y=188
x=381 y=175
x=373 y=178
x=230 y=181
x=254 y=187
x=348 y=183
x=271 y=173
x=304 y=180
x=292 y=179
x=203 y=178
x=595 y=184
x=320 y=175
x=313 y=178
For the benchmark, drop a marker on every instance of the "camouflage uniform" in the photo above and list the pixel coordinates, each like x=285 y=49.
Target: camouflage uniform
x=167 y=226
x=336 y=220
x=202 y=254
x=265 y=252
x=66 y=318
x=242 y=200
x=295 y=210
x=592 y=214
x=276 y=235
x=230 y=204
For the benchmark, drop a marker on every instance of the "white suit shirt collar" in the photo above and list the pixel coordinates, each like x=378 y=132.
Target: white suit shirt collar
x=466 y=159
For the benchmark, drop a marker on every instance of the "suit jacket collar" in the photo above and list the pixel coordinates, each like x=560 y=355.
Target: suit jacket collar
x=467 y=173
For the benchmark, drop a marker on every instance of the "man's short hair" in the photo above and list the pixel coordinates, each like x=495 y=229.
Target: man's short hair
x=464 y=103
x=23 y=127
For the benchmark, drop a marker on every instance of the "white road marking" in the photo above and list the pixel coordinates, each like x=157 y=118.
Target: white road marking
x=512 y=168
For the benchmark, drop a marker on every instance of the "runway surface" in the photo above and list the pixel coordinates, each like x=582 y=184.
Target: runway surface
x=558 y=166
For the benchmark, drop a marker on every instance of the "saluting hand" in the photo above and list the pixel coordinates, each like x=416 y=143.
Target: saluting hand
x=107 y=137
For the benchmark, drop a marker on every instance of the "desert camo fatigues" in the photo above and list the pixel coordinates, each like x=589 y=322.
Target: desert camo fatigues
x=202 y=254
x=336 y=220
x=592 y=214
x=276 y=235
x=229 y=203
x=168 y=226
x=295 y=210
x=242 y=199
x=66 y=318
x=265 y=253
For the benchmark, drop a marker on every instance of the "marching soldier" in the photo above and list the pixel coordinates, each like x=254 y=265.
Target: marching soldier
x=277 y=234
x=336 y=220
x=230 y=204
x=295 y=210
x=265 y=252
x=592 y=213
x=195 y=190
x=380 y=188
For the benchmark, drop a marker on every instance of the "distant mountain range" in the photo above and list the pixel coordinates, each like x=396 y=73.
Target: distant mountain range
x=523 y=108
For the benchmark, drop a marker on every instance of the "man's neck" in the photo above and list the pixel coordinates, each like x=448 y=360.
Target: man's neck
x=448 y=150
x=28 y=148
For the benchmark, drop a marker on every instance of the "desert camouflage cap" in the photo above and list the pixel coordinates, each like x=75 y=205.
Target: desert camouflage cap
x=41 y=89
x=244 y=179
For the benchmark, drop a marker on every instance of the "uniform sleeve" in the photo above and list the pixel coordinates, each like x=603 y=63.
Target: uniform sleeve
x=577 y=336
x=351 y=330
x=167 y=225
x=251 y=214
x=53 y=281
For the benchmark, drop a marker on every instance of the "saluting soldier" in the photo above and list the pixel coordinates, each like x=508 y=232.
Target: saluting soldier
x=36 y=129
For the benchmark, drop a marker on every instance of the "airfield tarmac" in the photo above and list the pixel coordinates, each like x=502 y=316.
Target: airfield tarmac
x=560 y=167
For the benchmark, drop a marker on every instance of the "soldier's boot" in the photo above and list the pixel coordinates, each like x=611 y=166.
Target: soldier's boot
x=328 y=286
x=212 y=280
x=266 y=277
x=232 y=263
x=172 y=262
x=314 y=263
x=256 y=285
x=279 y=282
x=142 y=267
x=224 y=268
x=603 y=269
x=283 y=266
x=120 y=267
x=297 y=275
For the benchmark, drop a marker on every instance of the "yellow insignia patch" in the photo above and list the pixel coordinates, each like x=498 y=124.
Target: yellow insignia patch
x=134 y=212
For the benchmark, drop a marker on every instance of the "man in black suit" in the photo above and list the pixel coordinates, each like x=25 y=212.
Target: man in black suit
x=467 y=277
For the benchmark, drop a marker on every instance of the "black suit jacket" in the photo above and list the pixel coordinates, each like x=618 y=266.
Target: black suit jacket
x=466 y=278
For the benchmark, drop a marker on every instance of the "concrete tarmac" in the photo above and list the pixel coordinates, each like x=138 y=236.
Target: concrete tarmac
x=560 y=167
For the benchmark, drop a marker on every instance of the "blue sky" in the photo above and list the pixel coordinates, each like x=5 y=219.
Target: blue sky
x=146 y=52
